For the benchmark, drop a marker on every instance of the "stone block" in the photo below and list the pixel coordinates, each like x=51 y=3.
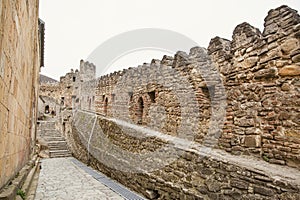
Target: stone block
x=253 y=141
x=290 y=70
x=213 y=186
x=263 y=190
x=286 y=87
x=239 y=184
x=296 y=58
x=266 y=73
x=244 y=122
x=289 y=45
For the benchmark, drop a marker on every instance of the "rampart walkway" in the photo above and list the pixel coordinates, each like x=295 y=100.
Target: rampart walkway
x=68 y=178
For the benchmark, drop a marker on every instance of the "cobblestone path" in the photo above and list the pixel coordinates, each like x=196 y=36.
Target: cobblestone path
x=60 y=178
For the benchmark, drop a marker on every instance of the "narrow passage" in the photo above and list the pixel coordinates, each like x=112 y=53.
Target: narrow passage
x=67 y=178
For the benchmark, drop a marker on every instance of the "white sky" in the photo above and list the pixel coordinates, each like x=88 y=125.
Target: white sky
x=74 y=28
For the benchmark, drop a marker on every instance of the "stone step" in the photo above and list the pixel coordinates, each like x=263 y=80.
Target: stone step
x=58 y=148
x=49 y=136
x=60 y=156
x=54 y=139
x=52 y=136
x=49 y=132
x=53 y=143
x=53 y=132
x=56 y=142
x=59 y=153
x=45 y=127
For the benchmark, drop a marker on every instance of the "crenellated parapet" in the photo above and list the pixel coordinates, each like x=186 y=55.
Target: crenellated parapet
x=261 y=73
x=238 y=96
x=249 y=84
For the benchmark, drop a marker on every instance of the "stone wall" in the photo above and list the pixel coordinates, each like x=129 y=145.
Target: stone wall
x=168 y=95
x=262 y=73
x=53 y=90
x=73 y=88
x=19 y=68
x=194 y=174
x=49 y=105
x=240 y=97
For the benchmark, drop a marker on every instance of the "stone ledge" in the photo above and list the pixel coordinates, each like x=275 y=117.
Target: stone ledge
x=28 y=182
x=276 y=172
x=200 y=172
x=22 y=180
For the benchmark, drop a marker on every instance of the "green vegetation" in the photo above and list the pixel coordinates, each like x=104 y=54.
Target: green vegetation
x=21 y=193
x=266 y=158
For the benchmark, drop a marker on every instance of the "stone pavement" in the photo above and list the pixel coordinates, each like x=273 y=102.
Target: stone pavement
x=60 y=178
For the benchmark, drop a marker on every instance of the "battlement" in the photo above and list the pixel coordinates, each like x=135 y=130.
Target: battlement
x=258 y=71
x=239 y=97
x=87 y=71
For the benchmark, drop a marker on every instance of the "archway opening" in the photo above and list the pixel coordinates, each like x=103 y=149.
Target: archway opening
x=105 y=105
x=47 y=109
x=140 y=111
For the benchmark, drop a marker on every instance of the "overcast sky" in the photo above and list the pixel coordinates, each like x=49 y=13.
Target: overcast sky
x=75 y=28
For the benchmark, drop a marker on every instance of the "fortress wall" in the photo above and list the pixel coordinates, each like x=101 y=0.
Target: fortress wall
x=193 y=174
x=250 y=83
x=166 y=90
x=262 y=72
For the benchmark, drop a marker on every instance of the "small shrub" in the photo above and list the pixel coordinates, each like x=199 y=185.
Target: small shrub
x=266 y=158
x=21 y=193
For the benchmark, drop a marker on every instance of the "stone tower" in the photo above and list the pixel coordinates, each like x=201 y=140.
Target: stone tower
x=87 y=71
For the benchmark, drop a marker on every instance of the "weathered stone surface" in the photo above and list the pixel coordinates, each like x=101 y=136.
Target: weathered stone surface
x=264 y=191
x=244 y=122
x=253 y=141
x=61 y=179
x=19 y=70
x=290 y=70
x=266 y=73
x=285 y=87
x=289 y=45
x=239 y=184
x=261 y=119
x=296 y=58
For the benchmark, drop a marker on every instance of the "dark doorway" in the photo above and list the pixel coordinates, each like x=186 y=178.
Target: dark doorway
x=47 y=109
x=105 y=106
x=140 y=111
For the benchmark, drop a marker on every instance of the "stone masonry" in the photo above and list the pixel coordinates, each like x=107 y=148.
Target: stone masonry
x=19 y=73
x=239 y=97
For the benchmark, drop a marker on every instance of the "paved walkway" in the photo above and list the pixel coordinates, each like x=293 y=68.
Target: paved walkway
x=61 y=178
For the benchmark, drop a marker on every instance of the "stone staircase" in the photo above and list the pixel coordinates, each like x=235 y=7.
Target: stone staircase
x=56 y=142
